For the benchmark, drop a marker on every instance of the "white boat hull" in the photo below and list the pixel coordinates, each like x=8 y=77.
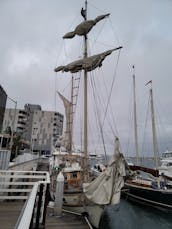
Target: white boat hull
x=166 y=171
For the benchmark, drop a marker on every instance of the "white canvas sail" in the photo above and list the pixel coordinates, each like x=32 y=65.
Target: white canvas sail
x=88 y=64
x=66 y=140
x=106 y=188
x=84 y=27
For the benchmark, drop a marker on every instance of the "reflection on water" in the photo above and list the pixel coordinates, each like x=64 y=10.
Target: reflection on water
x=128 y=215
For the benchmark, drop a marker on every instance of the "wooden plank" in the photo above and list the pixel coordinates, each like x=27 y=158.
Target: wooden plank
x=67 y=221
x=9 y=213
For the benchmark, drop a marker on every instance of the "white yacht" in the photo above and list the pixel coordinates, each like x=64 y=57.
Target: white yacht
x=166 y=163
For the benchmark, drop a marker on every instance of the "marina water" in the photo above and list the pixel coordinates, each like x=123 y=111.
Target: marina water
x=128 y=215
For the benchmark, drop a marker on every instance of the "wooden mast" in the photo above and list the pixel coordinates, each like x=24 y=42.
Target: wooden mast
x=155 y=144
x=71 y=118
x=135 y=119
x=85 y=105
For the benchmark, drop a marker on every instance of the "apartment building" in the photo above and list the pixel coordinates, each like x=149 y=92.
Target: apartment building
x=40 y=128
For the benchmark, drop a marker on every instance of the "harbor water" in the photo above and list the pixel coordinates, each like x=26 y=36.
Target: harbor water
x=128 y=215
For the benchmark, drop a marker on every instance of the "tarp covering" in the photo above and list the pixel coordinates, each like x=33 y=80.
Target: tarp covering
x=106 y=188
x=88 y=64
x=84 y=27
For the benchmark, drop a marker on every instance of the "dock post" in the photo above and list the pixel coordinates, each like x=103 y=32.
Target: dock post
x=59 y=195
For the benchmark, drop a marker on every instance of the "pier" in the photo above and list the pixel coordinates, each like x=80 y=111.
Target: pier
x=24 y=198
x=9 y=213
x=66 y=221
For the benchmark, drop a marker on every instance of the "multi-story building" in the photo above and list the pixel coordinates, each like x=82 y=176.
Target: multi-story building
x=41 y=129
x=3 y=99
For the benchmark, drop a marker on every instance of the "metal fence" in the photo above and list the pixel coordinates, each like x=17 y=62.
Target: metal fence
x=4 y=159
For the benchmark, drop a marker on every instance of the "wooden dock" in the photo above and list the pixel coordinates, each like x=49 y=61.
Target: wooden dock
x=67 y=221
x=9 y=213
x=11 y=204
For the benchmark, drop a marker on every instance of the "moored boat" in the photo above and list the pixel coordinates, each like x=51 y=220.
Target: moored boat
x=165 y=167
x=148 y=186
x=81 y=194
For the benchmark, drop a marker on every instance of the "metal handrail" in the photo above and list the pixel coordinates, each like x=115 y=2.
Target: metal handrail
x=25 y=219
x=26 y=216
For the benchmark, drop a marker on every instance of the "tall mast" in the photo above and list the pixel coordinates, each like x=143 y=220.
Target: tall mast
x=85 y=105
x=71 y=117
x=155 y=144
x=135 y=119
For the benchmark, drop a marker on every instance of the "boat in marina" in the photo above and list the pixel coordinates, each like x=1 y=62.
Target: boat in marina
x=148 y=186
x=82 y=194
x=165 y=167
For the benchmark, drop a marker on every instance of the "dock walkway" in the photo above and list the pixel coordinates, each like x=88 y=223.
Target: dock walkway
x=9 y=213
x=67 y=221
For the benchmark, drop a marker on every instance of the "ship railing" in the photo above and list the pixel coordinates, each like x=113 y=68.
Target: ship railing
x=33 y=188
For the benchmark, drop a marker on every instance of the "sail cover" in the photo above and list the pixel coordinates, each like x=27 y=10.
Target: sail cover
x=66 y=140
x=88 y=64
x=85 y=27
x=106 y=188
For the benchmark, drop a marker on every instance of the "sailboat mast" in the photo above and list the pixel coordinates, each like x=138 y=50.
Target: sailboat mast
x=155 y=144
x=85 y=106
x=71 y=117
x=135 y=119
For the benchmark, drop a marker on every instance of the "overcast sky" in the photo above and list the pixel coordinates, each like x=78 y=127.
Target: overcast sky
x=31 y=47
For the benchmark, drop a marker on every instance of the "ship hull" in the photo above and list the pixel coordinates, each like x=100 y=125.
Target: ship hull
x=158 y=198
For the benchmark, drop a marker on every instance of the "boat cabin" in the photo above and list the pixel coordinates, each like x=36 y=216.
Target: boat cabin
x=73 y=178
x=167 y=154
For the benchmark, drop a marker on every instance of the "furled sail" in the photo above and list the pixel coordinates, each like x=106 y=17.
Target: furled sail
x=88 y=64
x=106 y=188
x=66 y=140
x=85 y=27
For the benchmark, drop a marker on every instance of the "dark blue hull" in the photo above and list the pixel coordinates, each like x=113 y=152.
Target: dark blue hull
x=154 y=197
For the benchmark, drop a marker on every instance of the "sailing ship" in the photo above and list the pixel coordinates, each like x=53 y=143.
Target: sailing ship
x=147 y=186
x=80 y=194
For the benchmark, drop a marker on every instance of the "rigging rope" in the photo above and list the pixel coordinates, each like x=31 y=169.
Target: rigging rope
x=109 y=97
x=112 y=116
x=148 y=107
x=98 y=116
x=168 y=137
